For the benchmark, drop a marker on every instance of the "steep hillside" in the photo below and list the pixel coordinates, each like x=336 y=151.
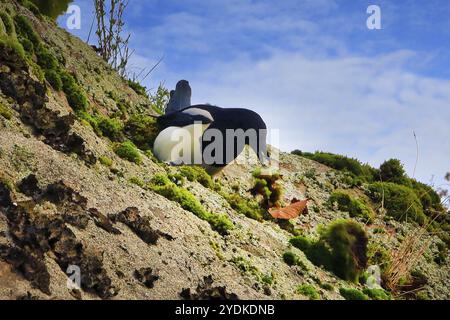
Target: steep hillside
x=75 y=191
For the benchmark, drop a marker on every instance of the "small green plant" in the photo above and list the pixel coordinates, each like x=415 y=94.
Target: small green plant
x=25 y=30
x=111 y=128
x=137 y=181
x=355 y=207
x=5 y=112
x=352 y=294
x=327 y=286
x=75 y=95
x=195 y=173
x=54 y=79
x=309 y=291
x=249 y=208
x=8 y=23
x=268 y=187
x=400 y=201
x=142 y=130
x=378 y=255
x=162 y=185
x=268 y=279
x=128 y=151
x=290 y=258
x=377 y=294
x=107 y=162
x=245 y=266
x=341 y=248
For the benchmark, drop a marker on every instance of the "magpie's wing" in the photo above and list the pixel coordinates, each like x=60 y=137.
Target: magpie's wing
x=200 y=113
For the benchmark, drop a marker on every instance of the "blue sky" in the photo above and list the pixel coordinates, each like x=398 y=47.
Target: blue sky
x=311 y=68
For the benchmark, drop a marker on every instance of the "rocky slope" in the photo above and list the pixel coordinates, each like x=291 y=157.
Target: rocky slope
x=61 y=205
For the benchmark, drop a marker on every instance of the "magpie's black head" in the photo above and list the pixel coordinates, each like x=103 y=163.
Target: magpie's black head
x=183 y=87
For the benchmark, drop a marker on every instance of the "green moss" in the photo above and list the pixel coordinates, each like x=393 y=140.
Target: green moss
x=355 y=207
x=352 y=294
x=378 y=255
x=8 y=23
x=111 y=128
x=377 y=294
x=327 y=286
x=198 y=174
x=137 y=181
x=24 y=29
x=13 y=44
x=249 y=208
x=422 y=295
x=400 y=201
x=290 y=258
x=75 y=95
x=309 y=291
x=245 y=266
x=54 y=79
x=107 y=162
x=128 y=151
x=341 y=248
x=142 y=130
x=162 y=185
x=5 y=112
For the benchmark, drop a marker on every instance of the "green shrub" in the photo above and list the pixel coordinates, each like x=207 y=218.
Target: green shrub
x=355 y=207
x=54 y=79
x=377 y=294
x=162 y=185
x=142 y=130
x=348 y=243
x=341 y=248
x=429 y=198
x=400 y=201
x=137 y=87
x=309 y=291
x=111 y=128
x=392 y=171
x=128 y=151
x=8 y=23
x=352 y=294
x=5 y=112
x=249 y=208
x=196 y=173
x=107 y=162
x=340 y=162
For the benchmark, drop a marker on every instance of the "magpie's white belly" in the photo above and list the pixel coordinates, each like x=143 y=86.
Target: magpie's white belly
x=180 y=145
